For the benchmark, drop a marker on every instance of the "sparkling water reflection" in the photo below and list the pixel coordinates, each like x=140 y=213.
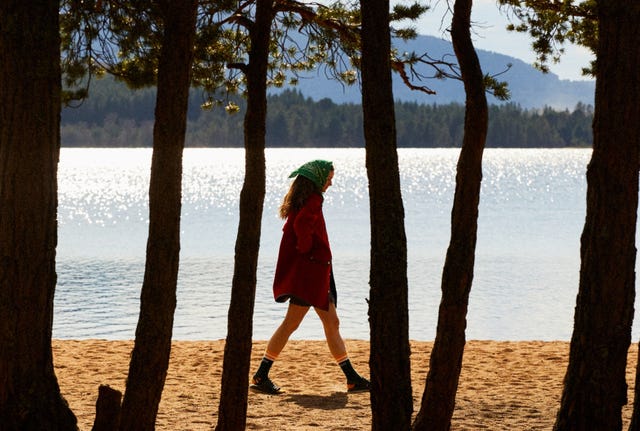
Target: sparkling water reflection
x=527 y=261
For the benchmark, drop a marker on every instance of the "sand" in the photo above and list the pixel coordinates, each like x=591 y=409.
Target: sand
x=503 y=385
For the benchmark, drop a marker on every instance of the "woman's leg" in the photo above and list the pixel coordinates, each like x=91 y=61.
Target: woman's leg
x=293 y=318
x=261 y=381
x=331 y=325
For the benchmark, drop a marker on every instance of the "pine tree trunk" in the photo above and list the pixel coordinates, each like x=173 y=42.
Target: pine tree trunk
x=150 y=357
x=595 y=388
x=29 y=150
x=232 y=410
x=391 y=396
x=107 y=409
x=438 y=400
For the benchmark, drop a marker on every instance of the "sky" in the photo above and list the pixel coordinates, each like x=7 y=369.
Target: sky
x=491 y=35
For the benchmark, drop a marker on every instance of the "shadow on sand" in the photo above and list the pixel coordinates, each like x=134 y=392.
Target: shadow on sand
x=336 y=400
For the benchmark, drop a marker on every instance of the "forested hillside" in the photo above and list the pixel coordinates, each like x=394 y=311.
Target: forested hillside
x=114 y=116
x=529 y=87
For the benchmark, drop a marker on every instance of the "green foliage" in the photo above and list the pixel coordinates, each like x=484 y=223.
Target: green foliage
x=123 y=39
x=116 y=116
x=499 y=89
x=554 y=23
x=411 y=12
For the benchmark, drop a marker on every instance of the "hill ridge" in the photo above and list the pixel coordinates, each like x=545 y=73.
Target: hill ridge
x=530 y=88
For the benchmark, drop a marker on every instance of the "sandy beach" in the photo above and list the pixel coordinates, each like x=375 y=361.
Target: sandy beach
x=503 y=386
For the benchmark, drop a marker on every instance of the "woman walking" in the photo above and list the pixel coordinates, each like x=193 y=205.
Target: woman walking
x=304 y=275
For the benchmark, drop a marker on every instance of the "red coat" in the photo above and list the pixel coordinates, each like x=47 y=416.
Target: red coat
x=304 y=260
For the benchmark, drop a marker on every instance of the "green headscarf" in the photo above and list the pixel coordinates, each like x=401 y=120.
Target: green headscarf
x=315 y=170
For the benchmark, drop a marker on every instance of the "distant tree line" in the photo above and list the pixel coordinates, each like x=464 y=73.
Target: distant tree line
x=114 y=116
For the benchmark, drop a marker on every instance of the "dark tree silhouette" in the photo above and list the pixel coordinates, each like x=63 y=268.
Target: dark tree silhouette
x=150 y=357
x=595 y=388
x=30 y=100
x=391 y=397
x=439 y=396
x=232 y=410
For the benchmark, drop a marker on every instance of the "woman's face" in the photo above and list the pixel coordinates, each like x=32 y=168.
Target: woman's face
x=328 y=182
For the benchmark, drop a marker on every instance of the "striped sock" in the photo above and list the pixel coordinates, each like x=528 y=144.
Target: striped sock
x=265 y=364
x=347 y=368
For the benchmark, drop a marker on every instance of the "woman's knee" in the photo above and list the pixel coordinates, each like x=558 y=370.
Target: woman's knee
x=331 y=322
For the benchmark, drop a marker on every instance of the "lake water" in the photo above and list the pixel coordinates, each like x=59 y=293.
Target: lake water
x=527 y=258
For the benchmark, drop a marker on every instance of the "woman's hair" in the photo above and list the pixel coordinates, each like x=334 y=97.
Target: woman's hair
x=296 y=197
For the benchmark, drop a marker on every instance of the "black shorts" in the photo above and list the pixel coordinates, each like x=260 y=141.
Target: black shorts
x=333 y=295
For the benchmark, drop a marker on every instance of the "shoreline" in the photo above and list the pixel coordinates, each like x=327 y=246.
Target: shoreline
x=504 y=385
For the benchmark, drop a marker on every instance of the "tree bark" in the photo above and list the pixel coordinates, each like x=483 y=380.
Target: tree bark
x=438 y=400
x=391 y=396
x=107 y=409
x=594 y=387
x=232 y=410
x=30 y=86
x=150 y=357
